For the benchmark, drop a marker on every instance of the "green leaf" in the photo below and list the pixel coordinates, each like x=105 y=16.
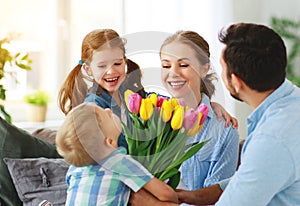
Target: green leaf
x=174 y=180
x=6 y=115
x=171 y=153
x=168 y=174
x=136 y=121
x=194 y=149
x=38 y=97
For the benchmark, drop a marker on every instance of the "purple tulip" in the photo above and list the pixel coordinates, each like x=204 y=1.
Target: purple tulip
x=134 y=103
x=190 y=118
x=204 y=110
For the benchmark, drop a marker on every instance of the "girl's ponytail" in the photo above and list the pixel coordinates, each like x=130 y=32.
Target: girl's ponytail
x=73 y=90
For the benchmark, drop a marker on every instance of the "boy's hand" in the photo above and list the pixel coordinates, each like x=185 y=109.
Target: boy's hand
x=144 y=198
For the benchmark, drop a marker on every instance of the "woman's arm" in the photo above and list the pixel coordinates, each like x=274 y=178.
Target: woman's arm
x=161 y=190
x=221 y=112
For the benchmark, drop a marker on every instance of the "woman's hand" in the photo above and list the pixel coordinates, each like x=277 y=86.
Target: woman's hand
x=222 y=113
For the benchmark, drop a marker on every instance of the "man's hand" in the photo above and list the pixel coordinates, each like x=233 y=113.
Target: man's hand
x=204 y=196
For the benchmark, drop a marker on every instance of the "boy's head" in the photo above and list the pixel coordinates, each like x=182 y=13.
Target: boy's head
x=88 y=134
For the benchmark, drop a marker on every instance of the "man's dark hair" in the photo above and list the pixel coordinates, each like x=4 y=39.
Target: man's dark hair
x=256 y=54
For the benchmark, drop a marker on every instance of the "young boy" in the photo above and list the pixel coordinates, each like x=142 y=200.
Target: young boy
x=100 y=173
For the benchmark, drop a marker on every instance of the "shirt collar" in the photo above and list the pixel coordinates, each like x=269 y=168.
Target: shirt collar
x=284 y=89
x=119 y=150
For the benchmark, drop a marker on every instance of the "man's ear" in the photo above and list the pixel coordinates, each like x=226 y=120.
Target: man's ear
x=87 y=69
x=236 y=82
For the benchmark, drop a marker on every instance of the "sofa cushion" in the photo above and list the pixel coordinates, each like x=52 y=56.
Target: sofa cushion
x=17 y=143
x=45 y=134
x=38 y=179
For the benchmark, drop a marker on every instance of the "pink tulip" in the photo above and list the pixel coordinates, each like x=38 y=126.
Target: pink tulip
x=134 y=103
x=204 y=110
x=182 y=103
x=190 y=118
x=160 y=100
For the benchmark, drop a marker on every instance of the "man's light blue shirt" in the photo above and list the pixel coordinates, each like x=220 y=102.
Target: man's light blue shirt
x=269 y=173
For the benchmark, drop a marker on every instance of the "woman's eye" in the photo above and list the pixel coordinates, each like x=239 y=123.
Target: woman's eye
x=102 y=66
x=166 y=66
x=184 y=65
x=118 y=64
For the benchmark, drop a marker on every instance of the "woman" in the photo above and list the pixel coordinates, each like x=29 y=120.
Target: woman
x=185 y=74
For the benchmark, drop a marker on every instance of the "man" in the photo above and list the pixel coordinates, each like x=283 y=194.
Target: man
x=253 y=69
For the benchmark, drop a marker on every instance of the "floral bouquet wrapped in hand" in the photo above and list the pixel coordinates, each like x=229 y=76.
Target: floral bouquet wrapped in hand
x=159 y=132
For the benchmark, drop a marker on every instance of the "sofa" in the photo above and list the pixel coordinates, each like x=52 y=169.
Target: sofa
x=31 y=170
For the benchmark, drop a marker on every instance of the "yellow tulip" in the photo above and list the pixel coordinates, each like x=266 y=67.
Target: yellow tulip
x=153 y=98
x=166 y=110
x=174 y=102
x=126 y=94
x=177 y=118
x=193 y=131
x=146 y=109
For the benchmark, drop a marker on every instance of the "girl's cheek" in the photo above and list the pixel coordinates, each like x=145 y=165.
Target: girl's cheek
x=97 y=75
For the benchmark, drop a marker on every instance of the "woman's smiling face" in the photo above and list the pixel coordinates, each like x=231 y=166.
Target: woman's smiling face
x=180 y=70
x=108 y=68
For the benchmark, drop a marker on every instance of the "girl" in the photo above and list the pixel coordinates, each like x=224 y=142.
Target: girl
x=105 y=65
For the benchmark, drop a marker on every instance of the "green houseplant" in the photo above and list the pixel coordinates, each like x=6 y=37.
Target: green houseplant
x=37 y=105
x=289 y=30
x=19 y=60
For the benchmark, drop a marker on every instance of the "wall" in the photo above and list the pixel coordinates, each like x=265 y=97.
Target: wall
x=57 y=52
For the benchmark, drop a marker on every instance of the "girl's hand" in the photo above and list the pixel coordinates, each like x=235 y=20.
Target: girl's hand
x=222 y=113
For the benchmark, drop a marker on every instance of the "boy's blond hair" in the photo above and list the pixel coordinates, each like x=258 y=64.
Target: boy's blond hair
x=81 y=138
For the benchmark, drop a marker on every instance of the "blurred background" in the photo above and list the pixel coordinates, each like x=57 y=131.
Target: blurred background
x=51 y=32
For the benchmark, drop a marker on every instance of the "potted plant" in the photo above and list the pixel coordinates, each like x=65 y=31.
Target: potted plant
x=6 y=57
x=289 y=30
x=37 y=105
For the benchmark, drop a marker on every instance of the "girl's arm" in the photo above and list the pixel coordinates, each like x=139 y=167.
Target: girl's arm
x=161 y=190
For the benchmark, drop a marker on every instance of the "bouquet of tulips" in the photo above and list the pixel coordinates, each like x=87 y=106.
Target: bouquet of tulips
x=159 y=132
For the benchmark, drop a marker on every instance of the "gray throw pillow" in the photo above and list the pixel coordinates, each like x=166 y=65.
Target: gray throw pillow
x=17 y=143
x=38 y=179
